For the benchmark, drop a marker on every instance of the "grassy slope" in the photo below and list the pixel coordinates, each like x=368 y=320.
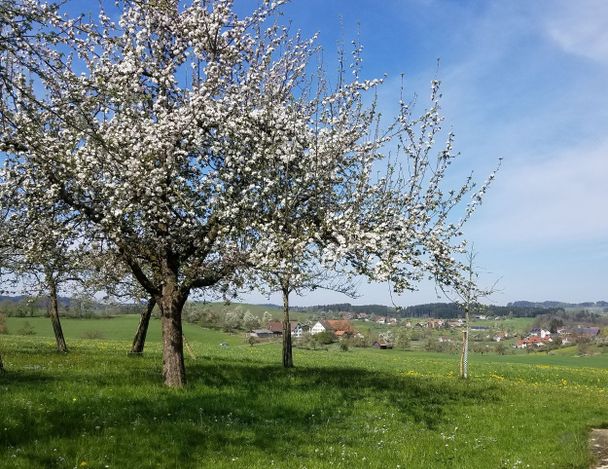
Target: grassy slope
x=516 y=324
x=97 y=407
x=258 y=310
x=116 y=328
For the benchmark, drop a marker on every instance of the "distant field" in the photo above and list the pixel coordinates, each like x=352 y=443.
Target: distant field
x=515 y=324
x=258 y=310
x=364 y=408
x=116 y=328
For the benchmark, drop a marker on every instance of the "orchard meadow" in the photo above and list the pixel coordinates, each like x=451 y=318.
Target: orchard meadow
x=99 y=407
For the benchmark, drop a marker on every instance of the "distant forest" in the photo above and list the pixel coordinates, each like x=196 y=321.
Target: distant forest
x=454 y=310
x=83 y=307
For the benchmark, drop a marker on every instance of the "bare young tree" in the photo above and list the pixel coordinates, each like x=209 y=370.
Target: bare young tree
x=468 y=295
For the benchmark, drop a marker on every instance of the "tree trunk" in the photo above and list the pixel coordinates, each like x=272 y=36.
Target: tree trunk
x=142 y=329
x=54 y=315
x=174 y=371
x=287 y=350
x=171 y=304
x=464 y=356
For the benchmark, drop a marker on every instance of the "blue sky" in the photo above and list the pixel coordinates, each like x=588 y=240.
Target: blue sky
x=522 y=80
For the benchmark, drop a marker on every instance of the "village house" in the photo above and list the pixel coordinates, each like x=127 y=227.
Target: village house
x=539 y=332
x=382 y=344
x=456 y=322
x=574 y=335
x=339 y=327
x=261 y=334
x=587 y=332
x=299 y=331
x=533 y=341
x=277 y=327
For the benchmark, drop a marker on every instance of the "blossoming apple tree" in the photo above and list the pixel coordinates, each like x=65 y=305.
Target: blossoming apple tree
x=327 y=213
x=180 y=137
x=43 y=260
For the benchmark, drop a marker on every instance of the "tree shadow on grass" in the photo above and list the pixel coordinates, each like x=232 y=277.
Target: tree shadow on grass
x=23 y=379
x=418 y=399
x=228 y=407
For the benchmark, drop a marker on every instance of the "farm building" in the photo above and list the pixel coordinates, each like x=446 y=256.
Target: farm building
x=339 y=327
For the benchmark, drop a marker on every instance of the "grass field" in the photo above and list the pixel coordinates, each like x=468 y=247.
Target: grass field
x=97 y=407
x=116 y=328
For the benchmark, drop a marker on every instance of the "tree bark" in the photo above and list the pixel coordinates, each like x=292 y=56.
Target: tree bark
x=171 y=304
x=174 y=370
x=142 y=329
x=287 y=349
x=464 y=355
x=54 y=315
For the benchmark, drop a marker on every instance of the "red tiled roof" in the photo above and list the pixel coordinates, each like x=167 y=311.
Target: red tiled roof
x=277 y=326
x=338 y=325
x=533 y=340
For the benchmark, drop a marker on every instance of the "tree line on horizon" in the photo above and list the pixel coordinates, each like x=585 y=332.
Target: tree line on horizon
x=433 y=310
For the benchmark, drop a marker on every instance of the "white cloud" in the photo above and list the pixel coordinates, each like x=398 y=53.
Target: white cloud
x=581 y=28
x=558 y=199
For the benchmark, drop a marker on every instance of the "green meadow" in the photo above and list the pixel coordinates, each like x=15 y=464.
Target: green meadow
x=97 y=407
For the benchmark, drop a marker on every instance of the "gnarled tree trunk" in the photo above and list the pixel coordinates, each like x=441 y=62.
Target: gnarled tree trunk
x=174 y=371
x=287 y=349
x=54 y=315
x=142 y=329
x=171 y=304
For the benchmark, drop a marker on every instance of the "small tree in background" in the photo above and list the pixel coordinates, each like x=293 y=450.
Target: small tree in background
x=266 y=318
x=233 y=320
x=44 y=255
x=468 y=294
x=250 y=321
x=500 y=348
x=402 y=339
